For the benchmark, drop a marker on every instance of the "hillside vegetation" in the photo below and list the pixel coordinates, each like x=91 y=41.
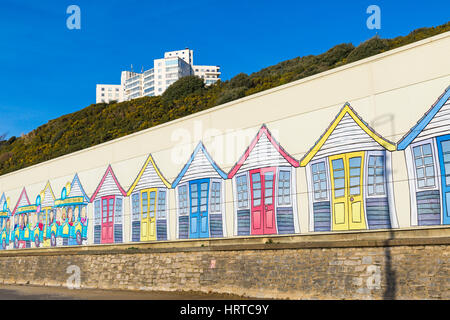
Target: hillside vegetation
x=102 y=122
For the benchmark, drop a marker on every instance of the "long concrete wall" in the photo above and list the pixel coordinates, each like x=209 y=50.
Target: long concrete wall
x=390 y=92
x=401 y=264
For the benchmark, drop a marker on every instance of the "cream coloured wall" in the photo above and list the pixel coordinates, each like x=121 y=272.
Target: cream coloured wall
x=390 y=91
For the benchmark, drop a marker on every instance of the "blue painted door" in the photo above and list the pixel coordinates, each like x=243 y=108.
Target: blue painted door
x=198 y=222
x=443 y=143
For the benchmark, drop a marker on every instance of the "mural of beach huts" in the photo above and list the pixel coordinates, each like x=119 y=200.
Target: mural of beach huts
x=264 y=184
x=45 y=201
x=349 y=177
x=427 y=153
x=71 y=214
x=200 y=197
x=20 y=235
x=149 y=204
x=108 y=200
x=5 y=221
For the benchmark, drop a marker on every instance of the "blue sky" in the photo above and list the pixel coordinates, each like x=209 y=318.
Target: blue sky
x=48 y=70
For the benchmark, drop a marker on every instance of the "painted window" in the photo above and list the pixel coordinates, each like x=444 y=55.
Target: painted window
x=203 y=196
x=97 y=212
x=423 y=159
x=152 y=204
x=375 y=182
x=355 y=175
x=319 y=180
x=182 y=199
x=339 y=177
x=215 y=197
x=118 y=212
x=256 y=179
x=162 y=204
x=242 y=191
x=135 y=207
x=144 y=205
x=284 y=188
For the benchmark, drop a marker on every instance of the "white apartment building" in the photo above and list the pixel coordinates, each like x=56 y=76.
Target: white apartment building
x=108 y=92
x=165 y=71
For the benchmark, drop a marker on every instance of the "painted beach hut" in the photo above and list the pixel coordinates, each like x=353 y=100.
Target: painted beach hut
x=5 y=222
x=149 y=204
x=41 y=219
x=200 y=197
x=264 y=185
x=73 y=205
x=21 y=231
x=349 y=177
x=108 y=209
x=427 y=153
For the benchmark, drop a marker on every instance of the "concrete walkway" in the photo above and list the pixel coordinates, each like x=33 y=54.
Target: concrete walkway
x=27 y=292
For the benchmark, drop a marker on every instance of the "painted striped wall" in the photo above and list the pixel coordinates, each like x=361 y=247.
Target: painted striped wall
x=285 y=220
x=215 y=225
x=23 y=201
x=109 y=187
x=263 y=155
x=322 y=216
x=183 y=227
x=347 y=137
x=118 y=233
x=243 y=222
x=48 y=200
x=378 y=213
x=97 y=234
x=149 y=179
x=438 y=126
x=428 y=208
x=76 y=189
x=161 y=229
x=136 y=231
x=199 y=168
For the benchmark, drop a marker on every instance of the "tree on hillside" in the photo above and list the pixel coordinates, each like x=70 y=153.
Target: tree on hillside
x=182 y=88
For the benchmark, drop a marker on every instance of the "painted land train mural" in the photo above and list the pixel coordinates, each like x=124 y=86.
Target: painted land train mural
x=348 y=173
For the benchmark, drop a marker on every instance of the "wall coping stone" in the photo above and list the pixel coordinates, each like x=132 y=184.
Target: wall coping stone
x=415 y=236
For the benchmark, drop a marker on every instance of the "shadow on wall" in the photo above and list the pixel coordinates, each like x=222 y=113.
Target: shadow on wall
x=390 y=275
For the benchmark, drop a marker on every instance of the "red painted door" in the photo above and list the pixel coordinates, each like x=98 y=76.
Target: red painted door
x=263 y=203
x=108 y=219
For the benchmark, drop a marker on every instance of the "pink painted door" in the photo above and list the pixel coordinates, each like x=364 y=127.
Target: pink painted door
x=263 y=203
x=108 y=219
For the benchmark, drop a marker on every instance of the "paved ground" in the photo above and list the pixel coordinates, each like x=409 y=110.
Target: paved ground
x=27 y=292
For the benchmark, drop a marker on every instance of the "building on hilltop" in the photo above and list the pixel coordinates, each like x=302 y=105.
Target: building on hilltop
x=154 y=81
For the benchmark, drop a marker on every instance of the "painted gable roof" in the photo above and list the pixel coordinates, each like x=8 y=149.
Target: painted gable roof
x=23 y=201
x=48 y=197
x=200 y=165
x=2 y=203
x=348 y=132
x=436 y=121
x=263 y=151
x=108 y=186
x=149 y=177
x=76 y=189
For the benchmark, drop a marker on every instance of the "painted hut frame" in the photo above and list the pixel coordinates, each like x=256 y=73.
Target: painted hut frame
x=20 y=235
x=108 y=200
x=349 y=176
x=74 y=202
x=200 y=197
x=149 y=204
x=264 y=188
x=427 y=153
x=5 y=222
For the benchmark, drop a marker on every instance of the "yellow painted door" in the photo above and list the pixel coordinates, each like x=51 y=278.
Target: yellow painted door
x=148 y=214
x=347 y=191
